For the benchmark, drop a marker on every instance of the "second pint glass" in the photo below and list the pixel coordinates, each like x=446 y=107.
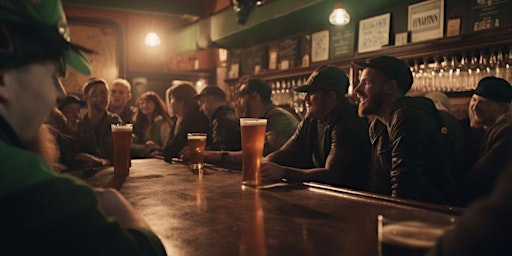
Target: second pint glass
x=196 y=144
x=253 y=139
x=121 y=138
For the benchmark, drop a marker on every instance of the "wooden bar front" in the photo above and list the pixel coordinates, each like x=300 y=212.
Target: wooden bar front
x=213 y=214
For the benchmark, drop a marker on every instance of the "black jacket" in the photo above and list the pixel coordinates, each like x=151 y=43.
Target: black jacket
x=194 y=121
x=414 y=152
x=225 y=130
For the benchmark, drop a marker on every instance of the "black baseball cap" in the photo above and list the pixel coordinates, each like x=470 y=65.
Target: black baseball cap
x=70 y=99
x=37 y=30
x=494 y=88
x=327 y=77
x=392 y=67
x=211 y=90
x=259 y=86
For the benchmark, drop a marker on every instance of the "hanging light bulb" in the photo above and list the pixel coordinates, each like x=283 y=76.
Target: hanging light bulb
x=339 y=16
x=152 y=39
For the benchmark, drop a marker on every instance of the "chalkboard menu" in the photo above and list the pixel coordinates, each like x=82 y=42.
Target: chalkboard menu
x=342 y=40
x=289 y=50
x=254 y=60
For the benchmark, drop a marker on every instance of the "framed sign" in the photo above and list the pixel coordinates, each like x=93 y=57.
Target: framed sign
x=320 y=46
x=374 y=33
x=426 y=20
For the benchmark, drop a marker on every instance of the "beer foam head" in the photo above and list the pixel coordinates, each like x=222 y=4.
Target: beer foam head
x=196 y=136
x=121 y=127
x=252 y=122
x=416 y=235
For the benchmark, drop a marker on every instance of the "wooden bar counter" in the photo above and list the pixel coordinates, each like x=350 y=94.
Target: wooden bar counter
x=212 y=214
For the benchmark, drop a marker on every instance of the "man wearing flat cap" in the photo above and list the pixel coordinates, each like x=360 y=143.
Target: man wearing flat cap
x=489 y=110
x=44 y=213
x=225 y=125
x=331 y=144
x=411 y=155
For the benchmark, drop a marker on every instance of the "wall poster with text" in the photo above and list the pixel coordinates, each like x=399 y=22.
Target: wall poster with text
x=426 y=20
x=374 y=33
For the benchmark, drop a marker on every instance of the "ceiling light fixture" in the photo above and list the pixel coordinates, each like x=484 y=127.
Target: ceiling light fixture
x=339 y=16
x=152 y=39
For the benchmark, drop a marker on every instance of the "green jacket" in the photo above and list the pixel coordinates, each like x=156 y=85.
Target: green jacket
x=45 y=213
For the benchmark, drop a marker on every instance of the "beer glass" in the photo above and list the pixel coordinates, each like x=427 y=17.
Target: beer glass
x=121 y=138
x=409 y=236
x=253 y=139
x=196 y=144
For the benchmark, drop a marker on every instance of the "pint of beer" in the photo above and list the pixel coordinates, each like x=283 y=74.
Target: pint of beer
x=121 y=137
x=196 y=144
x=408 y=237
x=253 y=139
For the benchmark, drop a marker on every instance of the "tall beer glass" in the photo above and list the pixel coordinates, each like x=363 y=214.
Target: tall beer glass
x=196 y=144
x=253 y=139
x=121 y=138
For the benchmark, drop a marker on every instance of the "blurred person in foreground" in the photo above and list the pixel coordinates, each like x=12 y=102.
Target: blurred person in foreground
x=331 y=144
x=485 y=226
x=253 y=100
x=119 y=100
x=412 y=157
x=489 y=113
x=45 y=213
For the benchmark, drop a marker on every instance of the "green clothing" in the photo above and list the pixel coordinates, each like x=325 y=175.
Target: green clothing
x=47 y=214
x=281 y=125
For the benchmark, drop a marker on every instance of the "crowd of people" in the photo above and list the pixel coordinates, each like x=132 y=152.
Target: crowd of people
x=388 y=143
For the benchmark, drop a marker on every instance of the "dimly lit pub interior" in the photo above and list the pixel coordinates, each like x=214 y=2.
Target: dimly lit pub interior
x=256 y=127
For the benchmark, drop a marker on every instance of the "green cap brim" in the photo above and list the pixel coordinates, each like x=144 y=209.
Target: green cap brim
x=77 y=61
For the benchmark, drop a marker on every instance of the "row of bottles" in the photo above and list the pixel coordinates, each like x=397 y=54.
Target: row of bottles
x=283 y=93
x=457 y=72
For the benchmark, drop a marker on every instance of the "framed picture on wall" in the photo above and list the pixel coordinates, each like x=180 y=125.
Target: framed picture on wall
x=374 y=33
x=320 y=46
x=426 y=20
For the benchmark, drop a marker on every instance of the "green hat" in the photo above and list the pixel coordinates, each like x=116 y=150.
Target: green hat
x=32 y=30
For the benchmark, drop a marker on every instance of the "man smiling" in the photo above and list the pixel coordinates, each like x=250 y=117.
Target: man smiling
x=411 y=155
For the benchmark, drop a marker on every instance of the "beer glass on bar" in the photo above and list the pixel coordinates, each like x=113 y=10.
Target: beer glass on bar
x=121 y=138
x=196 y=144
x=409 y=237
x=253 y=139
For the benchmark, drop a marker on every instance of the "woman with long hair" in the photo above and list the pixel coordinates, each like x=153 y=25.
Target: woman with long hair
x=151 y=125
x=182 y=102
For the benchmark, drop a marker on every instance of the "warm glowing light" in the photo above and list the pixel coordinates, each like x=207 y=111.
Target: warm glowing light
x=339 y=16
x=152 y=39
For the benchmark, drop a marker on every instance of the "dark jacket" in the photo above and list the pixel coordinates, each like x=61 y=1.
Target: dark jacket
x=340 y=144
x=96 y=139
x=225 y=130
x=495 y=149
x=194 y=121
x=415 y=153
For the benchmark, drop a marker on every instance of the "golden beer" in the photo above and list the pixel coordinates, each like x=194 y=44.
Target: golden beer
x=121 y=138
x=253 y=140
x=196 y=144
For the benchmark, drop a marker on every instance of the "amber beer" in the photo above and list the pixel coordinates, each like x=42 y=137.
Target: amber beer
x=196 y=144
x=407 y=238
x=121 y=138
x=253 y=139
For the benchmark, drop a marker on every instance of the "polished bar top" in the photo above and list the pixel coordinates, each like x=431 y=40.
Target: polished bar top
x=212 y=214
